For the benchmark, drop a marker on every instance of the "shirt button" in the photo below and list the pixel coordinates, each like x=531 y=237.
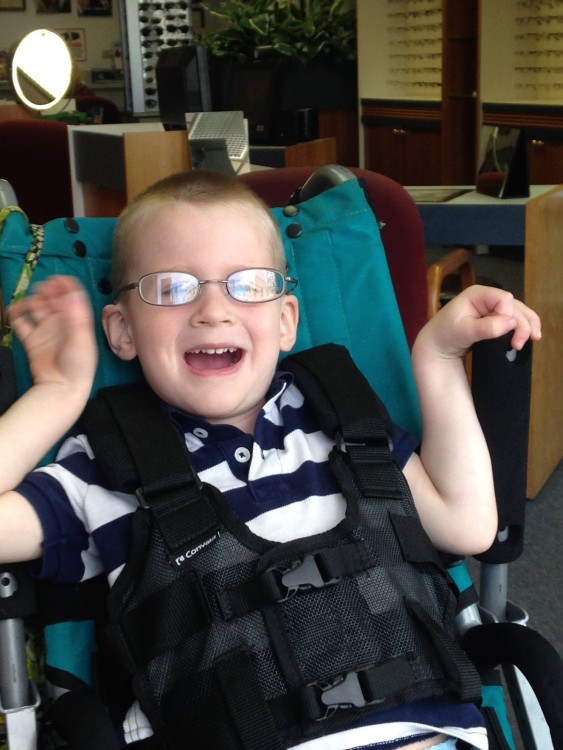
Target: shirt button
x=200 y=432
x=242 y=455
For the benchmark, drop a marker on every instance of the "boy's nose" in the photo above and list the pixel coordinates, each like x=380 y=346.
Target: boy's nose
x=213 y=305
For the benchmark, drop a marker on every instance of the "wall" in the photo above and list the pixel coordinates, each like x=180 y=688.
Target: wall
x=101 y=32
x=372 y=57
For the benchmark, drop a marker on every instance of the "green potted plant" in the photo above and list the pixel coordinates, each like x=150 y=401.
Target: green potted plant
x=300 y=30
x=312 y=41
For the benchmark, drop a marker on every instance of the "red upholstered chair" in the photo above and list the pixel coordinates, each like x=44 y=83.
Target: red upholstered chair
x=34 y=158
x=395 y=210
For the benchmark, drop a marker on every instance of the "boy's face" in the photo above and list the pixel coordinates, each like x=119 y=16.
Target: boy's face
x=176 y=345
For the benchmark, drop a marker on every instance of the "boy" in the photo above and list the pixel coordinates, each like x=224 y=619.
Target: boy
x=202 y=301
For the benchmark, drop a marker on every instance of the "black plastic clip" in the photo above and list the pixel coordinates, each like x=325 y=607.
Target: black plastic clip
x=342 y=444
x=345 y=691
x=304 y=575
x=195 y=480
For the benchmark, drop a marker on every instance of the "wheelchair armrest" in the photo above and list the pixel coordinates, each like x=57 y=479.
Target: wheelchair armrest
x=510 y=643
x=456 y=260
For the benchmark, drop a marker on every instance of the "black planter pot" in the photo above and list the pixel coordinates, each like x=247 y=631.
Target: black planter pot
x=281 y=99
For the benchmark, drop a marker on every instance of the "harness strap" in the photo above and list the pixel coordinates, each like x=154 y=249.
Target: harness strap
x=461 y=673
x=343 y=398
x=250 y=713
x=148 y=457
x=349 y=411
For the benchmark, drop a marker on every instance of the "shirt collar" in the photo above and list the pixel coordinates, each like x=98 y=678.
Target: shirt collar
x=187 y=422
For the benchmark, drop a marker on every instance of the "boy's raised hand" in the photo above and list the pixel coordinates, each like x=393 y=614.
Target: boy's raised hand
x=479 y=313
x=55 y=326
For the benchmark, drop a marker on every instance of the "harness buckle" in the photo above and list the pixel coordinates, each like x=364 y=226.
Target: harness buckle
x=140 y=495
x=342 y=444
x=144 y=503
x=303 y=576
x=344 y=691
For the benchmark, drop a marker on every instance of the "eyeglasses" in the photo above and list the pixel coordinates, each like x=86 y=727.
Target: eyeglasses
x=171 y=288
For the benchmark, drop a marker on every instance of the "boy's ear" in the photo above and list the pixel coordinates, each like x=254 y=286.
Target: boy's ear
x=288 y=322
x=117 y=332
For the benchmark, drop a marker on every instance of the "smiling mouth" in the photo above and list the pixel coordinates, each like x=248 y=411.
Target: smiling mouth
x=213 y=359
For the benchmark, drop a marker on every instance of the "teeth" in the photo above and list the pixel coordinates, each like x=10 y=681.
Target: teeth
x=224 y=350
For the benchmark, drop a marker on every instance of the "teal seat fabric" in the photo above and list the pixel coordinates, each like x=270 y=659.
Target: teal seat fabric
x=76 y=247
x=333 y=247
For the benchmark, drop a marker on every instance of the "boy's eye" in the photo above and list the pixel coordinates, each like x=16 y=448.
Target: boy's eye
x=172 y=292
x=254 y=285
x=170 y=289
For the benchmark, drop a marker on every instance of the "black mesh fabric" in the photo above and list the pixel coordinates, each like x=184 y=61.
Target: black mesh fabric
x=315 y=634
x=234 y=642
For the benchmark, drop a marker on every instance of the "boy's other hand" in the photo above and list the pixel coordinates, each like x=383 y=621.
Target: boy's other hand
x=479 y=313
x=55 y=325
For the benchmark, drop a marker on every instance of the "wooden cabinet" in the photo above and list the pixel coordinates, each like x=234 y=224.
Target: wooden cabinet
x=402 y=141
x=543 y=280
x=543 y=125
x=111 y=164
x=545 y=158
x=405 y=153
x=314 y=153
x=342 y=125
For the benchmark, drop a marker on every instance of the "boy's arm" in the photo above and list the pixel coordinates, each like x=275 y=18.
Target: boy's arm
x=56 y=330
x=452 y=480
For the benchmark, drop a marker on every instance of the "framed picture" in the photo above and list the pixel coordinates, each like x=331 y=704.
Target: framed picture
x=12 y=4
x=94 y=7
x=52 y=6
x=76 y=42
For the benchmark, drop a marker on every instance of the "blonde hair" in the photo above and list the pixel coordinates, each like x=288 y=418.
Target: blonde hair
x=195 y=188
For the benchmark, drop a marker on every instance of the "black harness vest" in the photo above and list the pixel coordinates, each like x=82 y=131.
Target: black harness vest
x=233 y=642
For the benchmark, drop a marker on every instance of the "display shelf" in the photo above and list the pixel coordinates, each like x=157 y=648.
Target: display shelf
x=150 y=26
x=414 y=37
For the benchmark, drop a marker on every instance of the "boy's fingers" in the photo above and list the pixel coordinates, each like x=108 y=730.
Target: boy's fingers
x=488 y=327
x=528 y=321
x=55 y=294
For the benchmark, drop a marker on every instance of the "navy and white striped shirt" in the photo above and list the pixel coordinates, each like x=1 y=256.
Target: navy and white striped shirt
x=279 y=483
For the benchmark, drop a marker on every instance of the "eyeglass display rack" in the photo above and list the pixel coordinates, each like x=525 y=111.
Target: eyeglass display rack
x=501 y=63
x=149 y=26
x=426 y=72
x=526 y=89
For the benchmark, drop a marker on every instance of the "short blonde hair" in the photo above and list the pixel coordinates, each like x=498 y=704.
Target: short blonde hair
x=196 y=187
